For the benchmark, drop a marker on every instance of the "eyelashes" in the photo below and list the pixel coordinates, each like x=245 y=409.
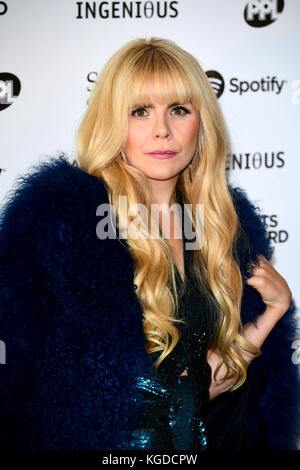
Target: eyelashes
x=183 y=108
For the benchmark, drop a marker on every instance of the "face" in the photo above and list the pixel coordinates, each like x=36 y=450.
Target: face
x=167 y=126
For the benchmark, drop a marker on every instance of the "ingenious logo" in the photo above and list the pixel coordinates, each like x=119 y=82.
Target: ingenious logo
x=255 y=160
x=128 y=10
x=3 y=8
x=260 y=13
x=10 y=87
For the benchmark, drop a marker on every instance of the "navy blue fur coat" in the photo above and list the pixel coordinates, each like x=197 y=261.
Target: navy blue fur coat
x=72 y=327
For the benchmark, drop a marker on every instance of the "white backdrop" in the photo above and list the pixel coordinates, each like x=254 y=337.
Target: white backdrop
x=53 y=50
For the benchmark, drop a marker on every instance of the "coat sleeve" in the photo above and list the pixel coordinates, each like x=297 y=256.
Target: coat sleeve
x=264 y=412
x=69 y=320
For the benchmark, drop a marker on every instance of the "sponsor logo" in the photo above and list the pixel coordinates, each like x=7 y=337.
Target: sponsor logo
x=268 y=84
x=260 y=13
x=10 y=87
x=254 y=160
x=275 y=234
x=3 y=8
x=138 y=9
x=217 y=82
x=91 y=78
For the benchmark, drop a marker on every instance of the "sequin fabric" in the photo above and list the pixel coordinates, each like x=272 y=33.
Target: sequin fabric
x=172 y=417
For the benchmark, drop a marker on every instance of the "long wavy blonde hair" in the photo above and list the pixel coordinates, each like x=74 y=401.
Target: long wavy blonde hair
x=174 y=75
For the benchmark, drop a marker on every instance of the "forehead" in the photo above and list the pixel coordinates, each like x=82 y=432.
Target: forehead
x=161 y=90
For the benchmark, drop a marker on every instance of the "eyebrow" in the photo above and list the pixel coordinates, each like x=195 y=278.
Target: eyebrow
x=151 y=105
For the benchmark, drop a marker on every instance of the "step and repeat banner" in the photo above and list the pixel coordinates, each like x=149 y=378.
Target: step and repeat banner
x=52 y=50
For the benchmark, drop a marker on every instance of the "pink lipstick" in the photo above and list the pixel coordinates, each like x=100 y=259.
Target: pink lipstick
x=162 y=154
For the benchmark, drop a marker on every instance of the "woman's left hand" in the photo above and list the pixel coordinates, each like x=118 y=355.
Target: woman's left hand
x=272 y=287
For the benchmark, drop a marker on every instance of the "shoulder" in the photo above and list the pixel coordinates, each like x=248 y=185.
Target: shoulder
x=48 y=232
x=246 y=209
x=53 y=183
x=49 y=204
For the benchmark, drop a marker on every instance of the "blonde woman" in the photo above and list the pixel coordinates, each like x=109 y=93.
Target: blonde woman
x=119 y=339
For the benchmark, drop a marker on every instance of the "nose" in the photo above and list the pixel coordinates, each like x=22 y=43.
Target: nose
x=161 y=127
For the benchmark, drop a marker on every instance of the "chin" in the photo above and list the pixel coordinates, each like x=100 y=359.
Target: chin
x=161 y=175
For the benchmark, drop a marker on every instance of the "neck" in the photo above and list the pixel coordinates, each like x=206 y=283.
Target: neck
x=164 y=192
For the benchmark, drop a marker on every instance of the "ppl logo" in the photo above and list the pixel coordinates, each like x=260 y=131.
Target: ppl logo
x=217 y=82
x=10 y=87
x=3 y=8
x=259 y=13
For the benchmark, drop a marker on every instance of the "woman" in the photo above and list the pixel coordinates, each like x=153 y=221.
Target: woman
x=127 y=342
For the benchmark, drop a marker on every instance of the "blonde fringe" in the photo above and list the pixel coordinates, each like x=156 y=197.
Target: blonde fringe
x=174 y=73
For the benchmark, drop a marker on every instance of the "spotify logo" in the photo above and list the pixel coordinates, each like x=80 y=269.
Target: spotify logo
x=10 y=87
x=217 y=82
x=259 y=13
x=268 y=84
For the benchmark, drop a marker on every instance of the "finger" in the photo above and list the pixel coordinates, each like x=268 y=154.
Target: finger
x=252 y=267
x=264 y=264
x=263 y=261
x=249 y=269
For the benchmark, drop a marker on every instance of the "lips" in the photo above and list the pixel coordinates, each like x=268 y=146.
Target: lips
x=163 y=152
x=162 y=156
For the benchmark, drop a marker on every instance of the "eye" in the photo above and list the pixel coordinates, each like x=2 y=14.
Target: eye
x=138 y=110
x=181 y=108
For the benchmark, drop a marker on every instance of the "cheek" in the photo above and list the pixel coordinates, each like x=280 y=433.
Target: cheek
x=190 y=134
x=135 y=136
